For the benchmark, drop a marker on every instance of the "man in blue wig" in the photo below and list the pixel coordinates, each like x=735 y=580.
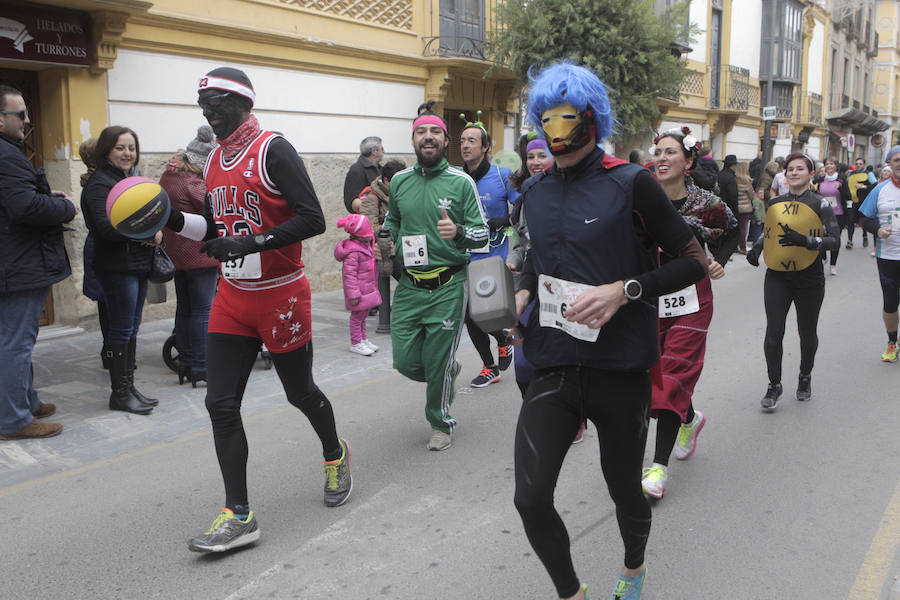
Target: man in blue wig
x=596 y=224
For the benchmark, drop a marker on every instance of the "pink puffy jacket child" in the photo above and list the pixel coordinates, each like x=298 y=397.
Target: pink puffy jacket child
x=360 y=276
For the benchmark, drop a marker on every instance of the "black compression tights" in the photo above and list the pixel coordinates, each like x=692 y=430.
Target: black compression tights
x=229 y=360
x=558 y=399
x=482 y=342
x=668 y=422
x=778 y=295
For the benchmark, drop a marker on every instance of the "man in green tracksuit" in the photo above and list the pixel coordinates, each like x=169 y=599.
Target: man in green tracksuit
x=434 y=219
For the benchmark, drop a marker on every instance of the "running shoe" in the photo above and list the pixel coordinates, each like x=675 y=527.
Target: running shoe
x=487 y=376
x=439 y=440
x=361 y=348
x=629 y=588
x=654 y=480
x=890 y=355
x=579 y=437
x=226 y=533
x=338 y=482
x=865 y=242
x=772 y=395
x=371 y=346
x=804 y=388
x=833 y=270
x=849 y=246
x=687 y=436
x=506 y=357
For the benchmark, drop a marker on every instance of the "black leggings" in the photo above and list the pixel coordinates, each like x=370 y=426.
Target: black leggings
x=482 y=342
x=229 y=360
x=668 y=422
x=889 y=276
x=843 y=223
x=558 y=399
x=779 y=292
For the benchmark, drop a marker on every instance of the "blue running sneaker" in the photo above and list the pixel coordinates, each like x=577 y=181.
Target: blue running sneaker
x=629 y=588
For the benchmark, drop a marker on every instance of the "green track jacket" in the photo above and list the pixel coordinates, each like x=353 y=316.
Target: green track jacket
x=417 y=196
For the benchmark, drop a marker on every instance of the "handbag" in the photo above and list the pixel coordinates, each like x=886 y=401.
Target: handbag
x=162 y=269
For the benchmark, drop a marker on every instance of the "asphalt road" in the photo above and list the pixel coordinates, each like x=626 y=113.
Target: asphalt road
x=802 y=503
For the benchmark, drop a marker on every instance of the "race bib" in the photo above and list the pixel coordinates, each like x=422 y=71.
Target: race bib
x=682 y=302
x=895 y=220
x=849 y=203
x=415 y=250
x=246 y=267
x=555 y=296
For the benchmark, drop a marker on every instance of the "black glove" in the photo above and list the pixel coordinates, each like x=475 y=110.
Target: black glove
x=497 y=223
x=176 y=220
x=791 y=237
x=753 y=257
x=230 y=247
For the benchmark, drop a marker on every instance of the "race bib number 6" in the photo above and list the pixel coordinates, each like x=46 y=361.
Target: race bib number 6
x=415 y=250
x=555 y=295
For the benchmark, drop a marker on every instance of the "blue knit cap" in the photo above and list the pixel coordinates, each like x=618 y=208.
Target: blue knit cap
x=891 y=152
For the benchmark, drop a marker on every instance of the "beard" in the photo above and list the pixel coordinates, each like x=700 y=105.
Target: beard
x=430 y=161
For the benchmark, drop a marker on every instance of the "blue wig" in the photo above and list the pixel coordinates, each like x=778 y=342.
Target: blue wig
x=564 y=82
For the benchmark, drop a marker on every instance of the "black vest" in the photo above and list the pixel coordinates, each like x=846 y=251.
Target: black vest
x=580 y=222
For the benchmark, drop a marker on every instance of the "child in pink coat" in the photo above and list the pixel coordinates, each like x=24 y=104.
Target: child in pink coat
x=360 y=277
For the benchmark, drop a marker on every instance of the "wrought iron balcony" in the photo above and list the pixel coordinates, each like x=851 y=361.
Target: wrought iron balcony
x=730 y=89
x=454 y=47
x=814 y=108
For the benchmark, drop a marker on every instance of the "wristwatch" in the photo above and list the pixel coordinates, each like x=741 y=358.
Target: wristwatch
x=633 y=289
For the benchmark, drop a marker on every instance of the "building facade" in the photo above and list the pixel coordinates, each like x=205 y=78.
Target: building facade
x=326 y=73
x=810 y=60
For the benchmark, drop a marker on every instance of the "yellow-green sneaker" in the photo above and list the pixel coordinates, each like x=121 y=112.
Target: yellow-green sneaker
x=654 y=480
x=890 y=355
x=226 y=533
x=338 y=482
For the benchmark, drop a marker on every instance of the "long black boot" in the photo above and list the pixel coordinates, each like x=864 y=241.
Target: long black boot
x=132 y=365
x=121 y=398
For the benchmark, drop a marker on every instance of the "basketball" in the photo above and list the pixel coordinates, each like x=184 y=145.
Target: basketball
x=137 y=207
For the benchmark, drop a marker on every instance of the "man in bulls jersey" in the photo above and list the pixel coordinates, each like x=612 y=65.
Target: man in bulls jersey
x=260 y=205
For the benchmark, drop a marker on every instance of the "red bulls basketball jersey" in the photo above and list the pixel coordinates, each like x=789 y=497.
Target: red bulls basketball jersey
x=244 y=201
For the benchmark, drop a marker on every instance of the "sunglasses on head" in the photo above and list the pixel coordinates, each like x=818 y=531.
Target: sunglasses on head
x=22 y=114
x=213 y=100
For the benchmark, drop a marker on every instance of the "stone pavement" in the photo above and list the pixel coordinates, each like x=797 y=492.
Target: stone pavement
x=68 y=372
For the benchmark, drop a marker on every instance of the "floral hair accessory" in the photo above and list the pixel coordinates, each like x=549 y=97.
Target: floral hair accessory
x=691 y=144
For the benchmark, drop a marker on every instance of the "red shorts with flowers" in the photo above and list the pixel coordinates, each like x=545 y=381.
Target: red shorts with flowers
x=279 y=316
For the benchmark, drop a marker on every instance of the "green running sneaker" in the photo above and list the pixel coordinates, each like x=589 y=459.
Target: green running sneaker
x=226 y=533
x=890 y=355
x=338 y=482
x=629 y=588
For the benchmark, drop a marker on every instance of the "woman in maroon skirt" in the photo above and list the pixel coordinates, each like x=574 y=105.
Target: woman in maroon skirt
x=685 y=315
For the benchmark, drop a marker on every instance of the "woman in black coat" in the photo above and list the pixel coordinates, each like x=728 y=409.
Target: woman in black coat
x=121 y=264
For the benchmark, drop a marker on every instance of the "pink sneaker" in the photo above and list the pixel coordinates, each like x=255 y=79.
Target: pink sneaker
x=579 y=437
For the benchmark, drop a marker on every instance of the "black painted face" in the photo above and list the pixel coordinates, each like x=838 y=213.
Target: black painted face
x=222 y=111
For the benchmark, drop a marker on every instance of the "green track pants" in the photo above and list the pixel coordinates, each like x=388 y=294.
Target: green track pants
x=425 y=331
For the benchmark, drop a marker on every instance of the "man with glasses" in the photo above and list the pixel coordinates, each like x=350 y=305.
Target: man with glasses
x=260 y=205
x=32 y=258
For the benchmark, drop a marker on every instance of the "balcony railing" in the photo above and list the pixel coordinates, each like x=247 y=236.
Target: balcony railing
x=454 y=47
x=814 y=108
x=734 y=89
